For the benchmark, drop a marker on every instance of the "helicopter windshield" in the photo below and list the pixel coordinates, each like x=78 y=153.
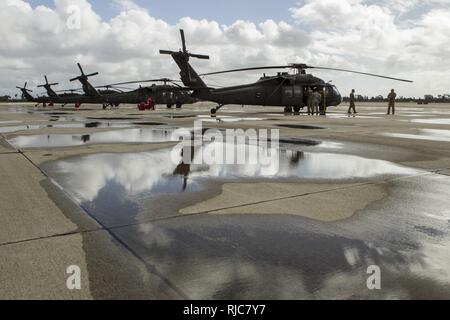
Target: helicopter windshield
x=335 y=90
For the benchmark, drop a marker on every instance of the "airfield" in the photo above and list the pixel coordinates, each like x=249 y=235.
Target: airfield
x=96 y=189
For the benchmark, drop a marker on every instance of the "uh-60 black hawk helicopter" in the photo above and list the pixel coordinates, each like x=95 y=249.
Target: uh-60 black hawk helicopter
x=28 y=97
x=112 y=95
x=68 y=96
x=284 y=89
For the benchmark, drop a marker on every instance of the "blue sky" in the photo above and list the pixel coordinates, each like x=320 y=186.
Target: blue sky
x=225 y=12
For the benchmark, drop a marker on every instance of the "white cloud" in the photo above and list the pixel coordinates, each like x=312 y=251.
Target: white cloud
x=375 y=38
x=343 y=33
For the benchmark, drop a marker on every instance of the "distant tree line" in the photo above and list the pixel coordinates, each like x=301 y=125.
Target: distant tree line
x=11 y=99
x=426 y=99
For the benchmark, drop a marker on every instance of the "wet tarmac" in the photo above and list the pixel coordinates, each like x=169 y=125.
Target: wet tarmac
x=432 y=121
x=304 y=220
x=11 y=129
x=135 y=135
x=225 y=119
x=424 y=134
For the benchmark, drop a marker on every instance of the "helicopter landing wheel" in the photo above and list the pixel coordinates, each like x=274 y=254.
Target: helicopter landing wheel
x=169 y=106
x=179 y=105
x=288 y=109
x=214 y=110
x=297 y=109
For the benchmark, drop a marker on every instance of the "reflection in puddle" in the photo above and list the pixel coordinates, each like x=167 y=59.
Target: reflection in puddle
x=155 y=172
x=137 y=135
x=237 y=256
x=19 y=128
x=12 y=129
x=425 y=134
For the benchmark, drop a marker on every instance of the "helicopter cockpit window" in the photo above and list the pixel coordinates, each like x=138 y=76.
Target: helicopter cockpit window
x=335 y=90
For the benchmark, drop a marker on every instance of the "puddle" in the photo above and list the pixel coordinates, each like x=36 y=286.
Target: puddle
x=431 y=121
x=10 y=122
x=67 y=119
x=12 y=129
x=135 y=135
x=131 y=175
x=425 y=134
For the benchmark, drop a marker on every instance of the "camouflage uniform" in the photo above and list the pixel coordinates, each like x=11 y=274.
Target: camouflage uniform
x=310 y=96
x=391 y=98
x=352 y=103
x=317 y=98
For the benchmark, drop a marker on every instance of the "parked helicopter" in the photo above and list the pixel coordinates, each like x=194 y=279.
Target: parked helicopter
x=113 y=95
x=284 y=90
x=28 y=97
x=67 y=96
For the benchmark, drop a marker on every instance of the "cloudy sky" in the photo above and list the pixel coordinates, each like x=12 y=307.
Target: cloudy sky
x=121 y=39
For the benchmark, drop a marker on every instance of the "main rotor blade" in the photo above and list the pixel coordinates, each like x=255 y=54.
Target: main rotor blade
x=74 y=79
x=46 y=80
x=24 y=89
x=93 y=74
x=199 y=56
x=81 y=69
x=166 y=52
x=246 y=69
x=357 y=72
x=69 y=90
x=142 y=81
x=183 y=40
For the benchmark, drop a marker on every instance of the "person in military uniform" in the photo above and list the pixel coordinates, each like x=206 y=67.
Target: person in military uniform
x=317 y=99
x=309 y=97
x=391 y=98
x=352 y=103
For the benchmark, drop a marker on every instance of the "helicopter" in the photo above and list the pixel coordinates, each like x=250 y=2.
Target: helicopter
x=67 y=96
x=284 y=89
x=112 y=95
x=28 y=97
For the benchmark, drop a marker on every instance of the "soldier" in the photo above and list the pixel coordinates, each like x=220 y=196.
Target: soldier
x=352 y=103
x=309 y=97
x=391 y=98
x=317 y=98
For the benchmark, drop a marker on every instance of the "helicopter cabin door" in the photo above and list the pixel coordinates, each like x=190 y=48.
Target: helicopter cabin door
x=292 y=95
